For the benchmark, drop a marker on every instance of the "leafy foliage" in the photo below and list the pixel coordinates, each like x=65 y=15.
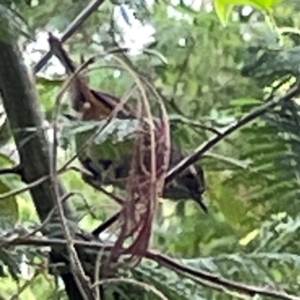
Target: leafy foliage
x=213 y=76
x=104 y=136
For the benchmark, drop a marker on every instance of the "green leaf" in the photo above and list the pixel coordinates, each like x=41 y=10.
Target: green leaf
x=116 y=130
x=5 y=133
x=9 y=210
x=265 y=4
x=12 y=25
x=245 y=101
x=223 y=10
x=192 y=88
x=11 y=261
x=224 y=7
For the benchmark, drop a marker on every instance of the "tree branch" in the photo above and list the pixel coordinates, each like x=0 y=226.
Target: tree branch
x=26 y=123
x=22 y=109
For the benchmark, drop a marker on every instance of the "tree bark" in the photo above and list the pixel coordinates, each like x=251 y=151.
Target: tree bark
x=22 y=108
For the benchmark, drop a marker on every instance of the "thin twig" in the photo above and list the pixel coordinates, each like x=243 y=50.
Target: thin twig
x=183 y=120
x=76 y=267
x=97 y=274
x=24 y=189
x=34 y=183
x=90 y=179
x=72 y=28
x=13 y=170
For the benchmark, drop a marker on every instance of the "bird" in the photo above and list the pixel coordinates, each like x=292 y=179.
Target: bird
x=112 y=167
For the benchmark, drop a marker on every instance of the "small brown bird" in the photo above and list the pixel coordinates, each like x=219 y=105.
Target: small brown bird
x=92 y=105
